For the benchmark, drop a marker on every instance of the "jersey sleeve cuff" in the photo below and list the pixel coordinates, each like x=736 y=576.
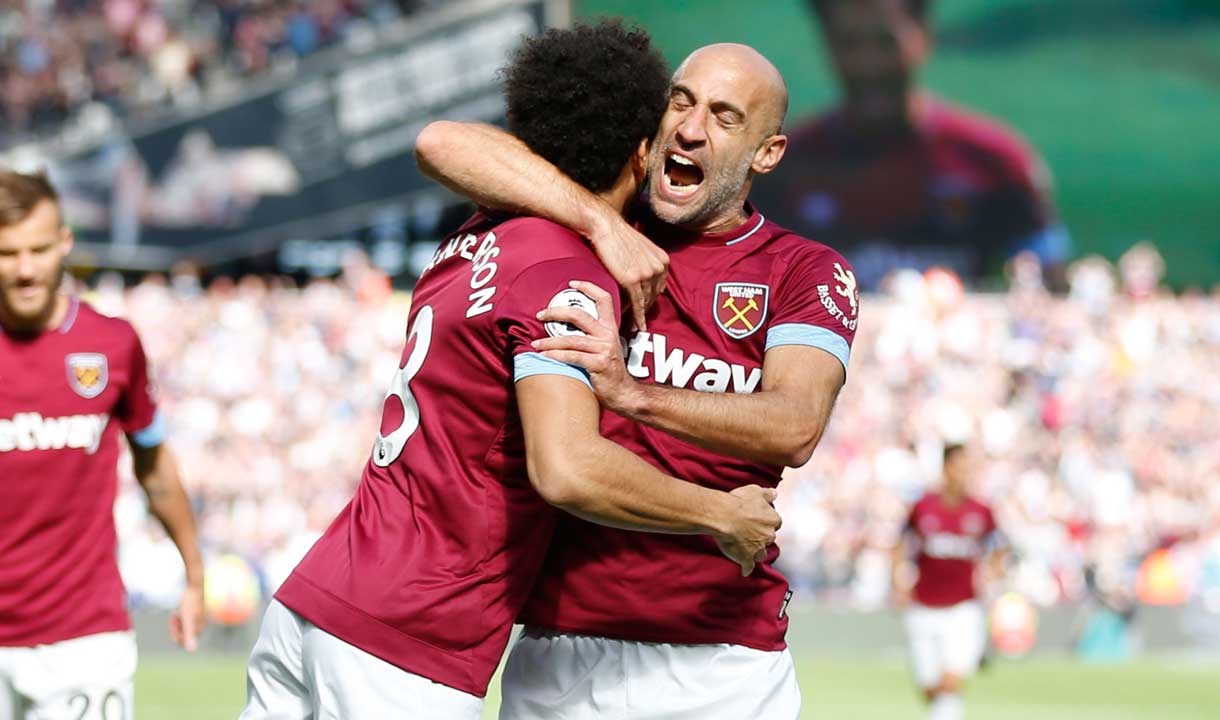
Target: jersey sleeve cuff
x=151 y=436
x=810 y=336
x=528 y=364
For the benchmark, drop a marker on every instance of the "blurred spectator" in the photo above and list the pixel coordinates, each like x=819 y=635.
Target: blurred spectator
x=58 y=56
x=894 y=177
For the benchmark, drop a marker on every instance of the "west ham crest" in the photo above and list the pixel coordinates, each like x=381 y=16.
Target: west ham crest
x=740 y=308
x=87 y=373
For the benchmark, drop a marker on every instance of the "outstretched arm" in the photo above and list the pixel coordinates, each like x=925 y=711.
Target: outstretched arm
x=157 y=472
x=496 y=170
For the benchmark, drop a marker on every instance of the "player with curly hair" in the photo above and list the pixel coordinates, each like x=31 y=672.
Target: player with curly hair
x=404 y=606
x=734 y=378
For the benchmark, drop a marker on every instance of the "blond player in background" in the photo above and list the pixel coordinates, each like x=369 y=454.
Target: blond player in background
x=71 y=380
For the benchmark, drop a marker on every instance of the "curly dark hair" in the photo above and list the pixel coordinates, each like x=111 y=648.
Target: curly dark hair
x=584 y=97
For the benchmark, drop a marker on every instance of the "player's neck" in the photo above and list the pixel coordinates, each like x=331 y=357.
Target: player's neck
x=50 y=319
x=952 y=498
x=726 y=224
x=904 y=124
x=618 y=198
x=625 y=191
x=734 y=216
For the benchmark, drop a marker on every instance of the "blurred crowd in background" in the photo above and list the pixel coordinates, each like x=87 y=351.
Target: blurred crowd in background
x=59 y=57
x=1088 y=412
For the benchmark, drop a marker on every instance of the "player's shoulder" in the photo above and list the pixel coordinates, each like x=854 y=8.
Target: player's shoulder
x=928 y=502
x=85 y=319
x=978 y=504
x=527 y=242
x=542 y=235
x=982 y=136
x=794 y=249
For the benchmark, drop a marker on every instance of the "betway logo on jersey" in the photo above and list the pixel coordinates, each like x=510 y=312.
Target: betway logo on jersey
x=676 y=367
x=31 y=431
x=948 y=546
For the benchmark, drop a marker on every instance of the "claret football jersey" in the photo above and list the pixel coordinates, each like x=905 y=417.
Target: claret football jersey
x=731 y=297
x=65 y=395
x=431 y=561
x=951 y=539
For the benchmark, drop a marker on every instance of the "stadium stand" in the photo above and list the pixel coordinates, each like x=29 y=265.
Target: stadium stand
x=58 y=57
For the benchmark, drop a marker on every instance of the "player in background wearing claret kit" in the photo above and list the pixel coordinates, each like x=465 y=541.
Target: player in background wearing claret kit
x=733 y=379
x=404 y=606
x=951 y=534
x=70 y=381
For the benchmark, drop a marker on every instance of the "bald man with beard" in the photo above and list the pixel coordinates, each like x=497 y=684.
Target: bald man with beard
x=733 y=379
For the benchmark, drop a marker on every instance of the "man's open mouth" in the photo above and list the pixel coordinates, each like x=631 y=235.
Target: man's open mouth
x=683 y=176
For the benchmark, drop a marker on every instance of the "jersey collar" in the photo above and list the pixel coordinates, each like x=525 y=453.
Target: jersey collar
x=670 y=234
x=64 y=326
x=70 y=317
x=742 y=232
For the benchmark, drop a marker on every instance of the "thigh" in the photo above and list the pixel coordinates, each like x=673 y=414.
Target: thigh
x=710 y=682
x=924 y=641
x=86 y=678
x=275 y=679
x=965 y=639
x=556 y=675
x=347 y=682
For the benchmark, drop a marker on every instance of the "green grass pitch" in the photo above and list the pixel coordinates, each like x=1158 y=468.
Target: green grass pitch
x=179 y=687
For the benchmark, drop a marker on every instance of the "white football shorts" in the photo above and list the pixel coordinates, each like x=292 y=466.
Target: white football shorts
x=577 y=677
x=945 y=640
x=89 y=677
x=297 y=672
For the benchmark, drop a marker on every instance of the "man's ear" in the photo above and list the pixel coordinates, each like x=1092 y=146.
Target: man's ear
x=66 y=239
x=769 y=153
x=639 y=161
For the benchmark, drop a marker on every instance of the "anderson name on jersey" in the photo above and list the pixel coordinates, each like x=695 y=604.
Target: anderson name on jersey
x=429 y=564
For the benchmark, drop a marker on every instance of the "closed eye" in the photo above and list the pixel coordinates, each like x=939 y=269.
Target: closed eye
x=727 y=114
x=728 y=120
